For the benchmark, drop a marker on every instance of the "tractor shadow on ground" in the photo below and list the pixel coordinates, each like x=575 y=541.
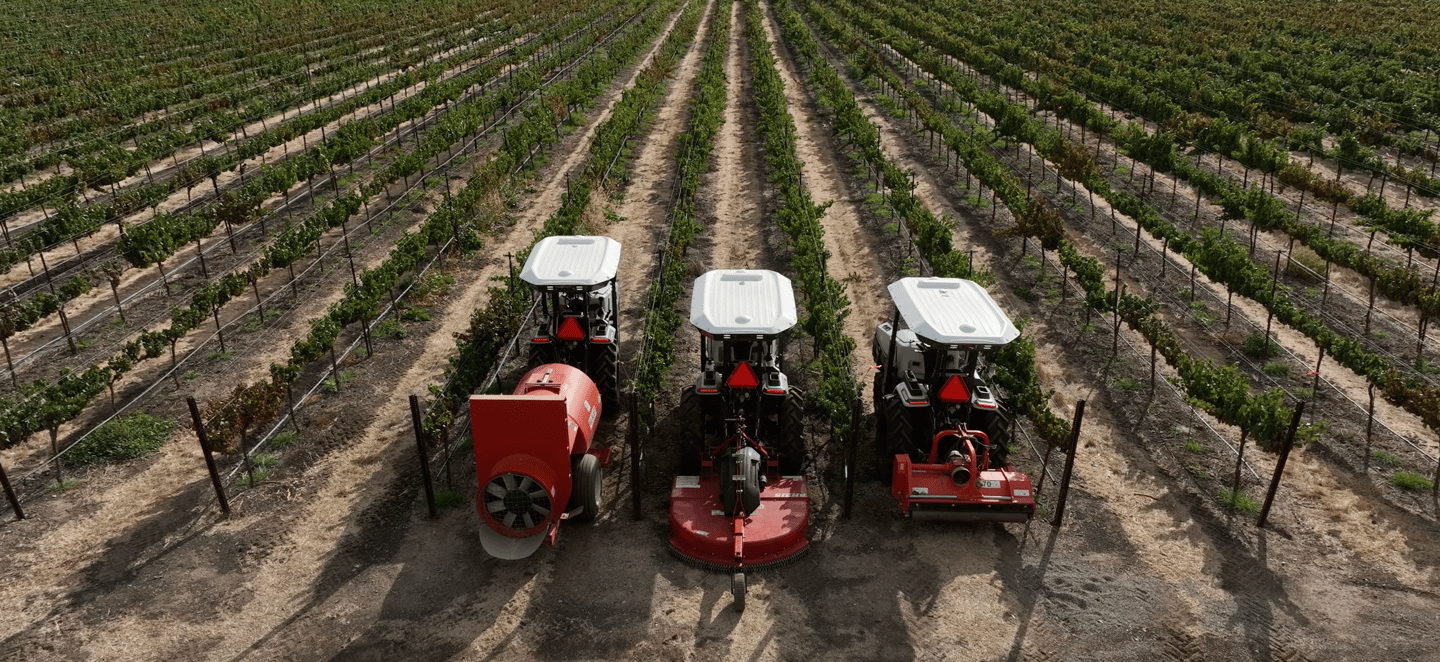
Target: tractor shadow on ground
x=877 y=586
x=112 y=581
x=441 y=566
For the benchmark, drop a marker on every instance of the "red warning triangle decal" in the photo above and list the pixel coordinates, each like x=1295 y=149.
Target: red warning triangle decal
x=743 y=377
x=954 y=391
x=570 y=329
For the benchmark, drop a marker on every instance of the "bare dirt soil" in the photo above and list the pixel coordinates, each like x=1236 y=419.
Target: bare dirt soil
x=334 y=557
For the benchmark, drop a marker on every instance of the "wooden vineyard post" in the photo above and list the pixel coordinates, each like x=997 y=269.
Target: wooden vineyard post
x=1239 y=462
x=851 y=448
x=10 y=494
x=1270 y=314
x=1325 y=296
x=1153 y=350
x=1196 y=215
x=1280 y=465
x=215 y=313
x=633 y=435
x=1370 y=420
x=1371 y=309
x=1115 y=346
x=209 y=456
x=1069 y=463
x=334 y=369
x=1164 y=247
x=424 y=455
x=14 y=381
x=201 y=254
x=65 y=324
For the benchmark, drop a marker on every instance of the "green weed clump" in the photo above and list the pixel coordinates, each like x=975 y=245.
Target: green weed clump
x=121 y=439
x=1238 y=501
x=1260 y=346
x=1381 y=457
x=1411 y=481
x=448 y=498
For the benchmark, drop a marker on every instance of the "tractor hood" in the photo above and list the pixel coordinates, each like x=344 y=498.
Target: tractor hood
x=742 y=301
x=952 y=311
x=572 y=261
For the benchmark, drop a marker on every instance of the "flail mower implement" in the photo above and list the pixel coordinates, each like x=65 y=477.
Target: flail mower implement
x=574 y=278
x=740 y=502
x=534 y=459
x=942 y=424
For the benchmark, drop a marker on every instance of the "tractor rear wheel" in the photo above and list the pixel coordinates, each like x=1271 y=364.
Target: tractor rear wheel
x=540 y=354
x=899 y=430
x=585 y=489
x=792 y=435
x=690 y=433
x=606 y=373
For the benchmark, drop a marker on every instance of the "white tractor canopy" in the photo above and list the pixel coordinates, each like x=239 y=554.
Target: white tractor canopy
x=742 y=301
x=952 y=311
x=572 y=261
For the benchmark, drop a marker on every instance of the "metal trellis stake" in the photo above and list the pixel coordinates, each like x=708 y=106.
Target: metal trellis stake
x=634 y=439
x=424 y=455
x=850 y=457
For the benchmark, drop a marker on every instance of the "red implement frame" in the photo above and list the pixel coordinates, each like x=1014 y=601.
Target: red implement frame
x=957 y=489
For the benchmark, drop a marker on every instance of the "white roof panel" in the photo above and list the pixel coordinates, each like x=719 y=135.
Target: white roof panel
x=738 y=301
x=952 y=311
x=572 y=260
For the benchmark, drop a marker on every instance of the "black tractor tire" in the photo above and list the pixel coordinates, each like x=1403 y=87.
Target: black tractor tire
x=792 y=435
x=691 y=436
x=605 y=372
x=586 y=480
x=540 y=354
x=899 y=428
x=999 y=434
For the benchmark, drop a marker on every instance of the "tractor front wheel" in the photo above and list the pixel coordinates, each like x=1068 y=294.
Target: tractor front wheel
x=588 y=478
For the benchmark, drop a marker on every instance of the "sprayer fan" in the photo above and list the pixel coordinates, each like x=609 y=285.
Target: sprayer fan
x=517 y=501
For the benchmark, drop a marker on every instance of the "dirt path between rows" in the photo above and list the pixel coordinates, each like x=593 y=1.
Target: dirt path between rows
x=854 y=258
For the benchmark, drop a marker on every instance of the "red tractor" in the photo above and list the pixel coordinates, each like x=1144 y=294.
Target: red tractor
x=534 y=459
x=578 y=322
x=740 y=502
x=939 y=420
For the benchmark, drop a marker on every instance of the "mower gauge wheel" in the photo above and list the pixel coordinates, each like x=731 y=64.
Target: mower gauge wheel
x=737 y=588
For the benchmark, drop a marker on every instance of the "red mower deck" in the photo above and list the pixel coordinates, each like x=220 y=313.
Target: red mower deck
x=703 y=533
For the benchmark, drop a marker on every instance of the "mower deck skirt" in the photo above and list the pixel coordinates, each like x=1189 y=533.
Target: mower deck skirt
x=702 y=532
